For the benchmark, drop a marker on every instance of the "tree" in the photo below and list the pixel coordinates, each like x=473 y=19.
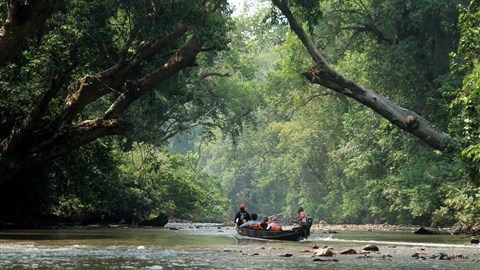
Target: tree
x=140 y=45
x=22 y=20
x=325 y=75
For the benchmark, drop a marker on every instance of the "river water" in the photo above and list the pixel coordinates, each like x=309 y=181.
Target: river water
x=203 y=246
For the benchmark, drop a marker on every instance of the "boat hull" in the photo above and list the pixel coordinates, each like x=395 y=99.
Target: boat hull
x=286 y=235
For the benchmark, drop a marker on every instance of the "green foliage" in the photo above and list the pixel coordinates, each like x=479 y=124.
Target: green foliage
x=83 y=184
x=141 y=183
x=461 y=205
x=465 y=106
x=337 y=159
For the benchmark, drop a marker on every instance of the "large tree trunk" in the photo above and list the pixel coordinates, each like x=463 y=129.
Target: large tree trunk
x=23 y=19
x=321 y=73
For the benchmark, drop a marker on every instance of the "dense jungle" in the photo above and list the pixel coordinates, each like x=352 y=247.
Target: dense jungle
x=360 y=111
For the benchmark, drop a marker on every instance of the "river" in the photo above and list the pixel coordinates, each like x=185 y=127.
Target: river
x=204 y=246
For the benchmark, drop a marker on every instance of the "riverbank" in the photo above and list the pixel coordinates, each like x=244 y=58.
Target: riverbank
x=372 y=227
x=174 y=224
x=390 y=227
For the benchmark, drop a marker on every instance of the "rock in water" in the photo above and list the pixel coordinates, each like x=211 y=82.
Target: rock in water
x=285 y=255
x=324 y=252
x=320 y=260
x=348 y=251
x=422 y=230
x=370 y=248
x=160 y=221
x=474 y=240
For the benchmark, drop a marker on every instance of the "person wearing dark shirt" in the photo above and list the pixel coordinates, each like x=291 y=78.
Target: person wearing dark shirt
x=264 y=223
x=242 y=216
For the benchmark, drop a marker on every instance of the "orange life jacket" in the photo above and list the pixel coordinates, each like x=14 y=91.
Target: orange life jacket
x=275 y=227
x=256 y=226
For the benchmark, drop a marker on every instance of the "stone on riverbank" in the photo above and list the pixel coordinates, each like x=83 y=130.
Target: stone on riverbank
x=326 y=252
x=370 y=248
x=348 y=251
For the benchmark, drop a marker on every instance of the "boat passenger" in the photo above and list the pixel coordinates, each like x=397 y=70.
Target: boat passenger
x=242 y=216
x=252 y=224
x=264 y=223
x=274 y=225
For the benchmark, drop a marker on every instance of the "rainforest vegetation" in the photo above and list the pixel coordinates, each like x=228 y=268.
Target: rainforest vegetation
x=360 y=111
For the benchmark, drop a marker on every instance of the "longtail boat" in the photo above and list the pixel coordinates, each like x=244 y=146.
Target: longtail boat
x=287 y=235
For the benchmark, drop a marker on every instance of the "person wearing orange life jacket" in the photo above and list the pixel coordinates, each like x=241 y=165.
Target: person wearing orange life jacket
x=264 y=223
x=252 y=224
x=274 y=225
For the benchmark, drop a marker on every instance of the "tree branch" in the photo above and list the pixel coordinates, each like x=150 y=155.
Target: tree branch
x=182 y=59
x=72 y=137
x=326 y=76
x=91 y=87
x=307 y=42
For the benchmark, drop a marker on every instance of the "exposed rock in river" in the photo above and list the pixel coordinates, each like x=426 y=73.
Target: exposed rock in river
x=370 y=248
x=327 y=252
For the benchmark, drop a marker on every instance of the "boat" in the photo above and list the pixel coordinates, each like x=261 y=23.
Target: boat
x=287 y=235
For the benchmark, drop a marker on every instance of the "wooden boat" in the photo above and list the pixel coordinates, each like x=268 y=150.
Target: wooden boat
x=287 y=235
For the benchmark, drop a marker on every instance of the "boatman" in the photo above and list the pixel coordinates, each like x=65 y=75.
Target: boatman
x=242 y=216
x=304 y=221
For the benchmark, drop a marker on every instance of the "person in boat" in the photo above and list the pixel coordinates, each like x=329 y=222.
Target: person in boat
x=274 y=225
x=304 y=221
x=252 y=224
x=242 y=216
x=264 y=223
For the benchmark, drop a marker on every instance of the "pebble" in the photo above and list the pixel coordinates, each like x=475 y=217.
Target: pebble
x=285 y=255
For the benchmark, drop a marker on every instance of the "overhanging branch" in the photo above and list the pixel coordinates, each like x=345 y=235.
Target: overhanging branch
x=183 y=58
x=326 y=76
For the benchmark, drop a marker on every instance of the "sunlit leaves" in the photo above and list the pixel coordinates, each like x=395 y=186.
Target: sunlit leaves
x=465 y=106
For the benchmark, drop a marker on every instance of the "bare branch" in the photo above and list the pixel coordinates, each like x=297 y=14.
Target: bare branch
x=324 y=75
x=307 y=42
x=128 y=43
